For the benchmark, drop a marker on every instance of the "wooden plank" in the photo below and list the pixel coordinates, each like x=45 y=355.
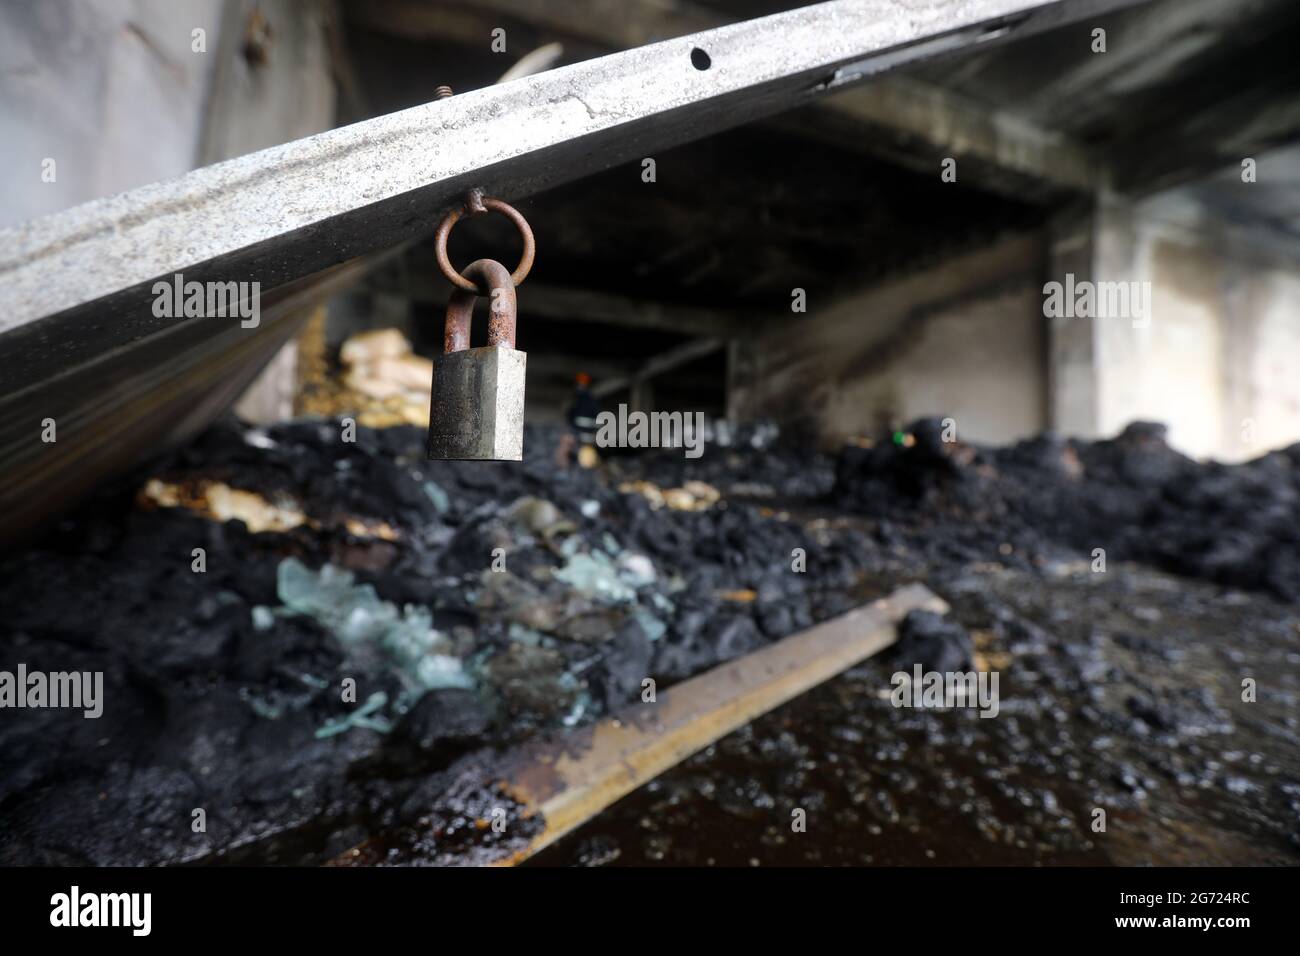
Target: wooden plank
x=568 y=785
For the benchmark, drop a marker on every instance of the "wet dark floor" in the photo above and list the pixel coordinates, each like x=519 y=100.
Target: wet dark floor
x=1120 y=692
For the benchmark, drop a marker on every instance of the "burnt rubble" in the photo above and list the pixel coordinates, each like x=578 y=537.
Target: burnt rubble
x=478 y=605
x=1133 y=496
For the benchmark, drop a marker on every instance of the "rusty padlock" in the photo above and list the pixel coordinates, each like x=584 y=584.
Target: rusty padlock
x=477 y=407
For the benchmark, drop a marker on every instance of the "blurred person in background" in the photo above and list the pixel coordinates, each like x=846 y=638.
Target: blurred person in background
x=582 y=426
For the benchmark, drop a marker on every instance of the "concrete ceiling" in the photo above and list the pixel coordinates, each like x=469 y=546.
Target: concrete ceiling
x=1185 y=86
x=836 y=194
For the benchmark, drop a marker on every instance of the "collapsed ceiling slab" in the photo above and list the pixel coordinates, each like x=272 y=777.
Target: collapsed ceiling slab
x=76 y=284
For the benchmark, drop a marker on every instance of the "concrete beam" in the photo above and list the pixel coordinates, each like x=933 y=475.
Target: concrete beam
x=585 y=305
x=664 y=362
x=562 y=367
x=918 y=125
x=572 y=304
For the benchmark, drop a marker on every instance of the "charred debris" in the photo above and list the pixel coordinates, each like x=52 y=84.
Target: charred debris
x=476 y=605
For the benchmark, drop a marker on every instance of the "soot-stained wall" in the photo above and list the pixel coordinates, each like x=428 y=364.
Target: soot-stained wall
x=965 y=338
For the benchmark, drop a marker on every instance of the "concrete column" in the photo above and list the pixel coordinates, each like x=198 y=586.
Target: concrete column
x=1072 y=375
x=1215 y=357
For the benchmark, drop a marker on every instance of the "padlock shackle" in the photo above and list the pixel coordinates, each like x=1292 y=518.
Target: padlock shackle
x=501 y=307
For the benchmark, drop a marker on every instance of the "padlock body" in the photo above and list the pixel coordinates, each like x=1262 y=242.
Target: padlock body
x=477 y=407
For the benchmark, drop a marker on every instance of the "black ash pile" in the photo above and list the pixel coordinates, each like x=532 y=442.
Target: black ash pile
x=468 y=605
x=465 y=607
x=1132 y=496
x=1145 y=718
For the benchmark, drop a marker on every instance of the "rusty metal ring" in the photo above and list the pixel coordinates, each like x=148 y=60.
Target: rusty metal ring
x=511 y=213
